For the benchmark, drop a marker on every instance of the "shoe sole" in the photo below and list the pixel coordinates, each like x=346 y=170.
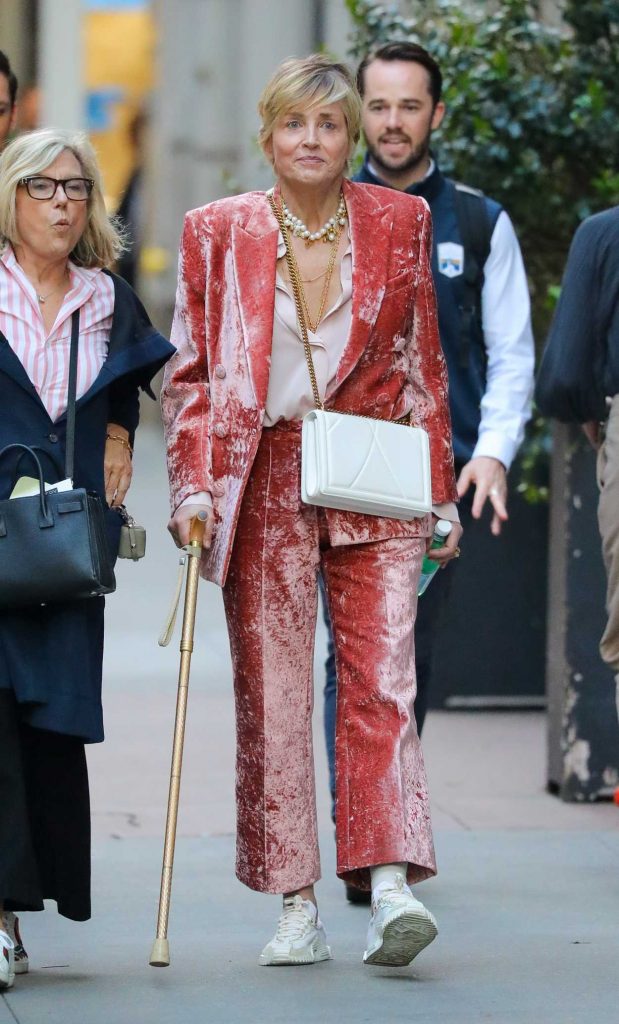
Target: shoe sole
x=358 y=896
x=403 y=938
x=317 y=952
x=22 y=967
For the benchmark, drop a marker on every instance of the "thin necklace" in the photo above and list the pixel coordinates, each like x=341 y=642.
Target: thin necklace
x=311 y=280
x=313 y=324
x=327 y=232
x=43 y=298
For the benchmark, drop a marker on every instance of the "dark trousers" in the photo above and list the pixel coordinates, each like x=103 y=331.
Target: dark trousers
x=430 y=612
x=44 y=817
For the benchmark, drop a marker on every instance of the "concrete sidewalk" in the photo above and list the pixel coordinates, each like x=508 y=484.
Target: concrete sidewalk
x=526 y=897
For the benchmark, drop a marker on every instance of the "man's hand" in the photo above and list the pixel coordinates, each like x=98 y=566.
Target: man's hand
x=593 y=433
x=180 y=524
x=490 y=480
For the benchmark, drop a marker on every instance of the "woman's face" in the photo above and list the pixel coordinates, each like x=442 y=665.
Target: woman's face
x=310 y=146
x=49 y=229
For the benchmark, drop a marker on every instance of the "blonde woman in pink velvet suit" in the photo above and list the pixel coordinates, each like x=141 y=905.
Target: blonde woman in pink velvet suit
x=233 y=399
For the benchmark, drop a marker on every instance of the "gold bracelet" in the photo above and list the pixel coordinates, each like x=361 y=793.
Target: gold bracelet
x=121 y=440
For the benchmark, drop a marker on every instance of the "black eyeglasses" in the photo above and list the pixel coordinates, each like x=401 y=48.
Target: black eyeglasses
x=76 y=189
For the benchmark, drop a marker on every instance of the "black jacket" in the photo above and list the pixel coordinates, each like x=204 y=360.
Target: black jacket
x=580 y=365
x=51 y=657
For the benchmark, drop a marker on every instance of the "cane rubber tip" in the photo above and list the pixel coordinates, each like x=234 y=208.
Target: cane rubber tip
x=160 y=953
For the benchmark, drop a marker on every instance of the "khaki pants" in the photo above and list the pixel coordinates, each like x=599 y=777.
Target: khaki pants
x=608 y=519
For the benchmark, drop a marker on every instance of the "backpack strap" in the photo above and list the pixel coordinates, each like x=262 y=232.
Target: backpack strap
x=476 y=229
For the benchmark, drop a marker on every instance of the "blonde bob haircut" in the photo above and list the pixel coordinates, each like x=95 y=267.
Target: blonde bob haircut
x=305 y=82
x=32 y=153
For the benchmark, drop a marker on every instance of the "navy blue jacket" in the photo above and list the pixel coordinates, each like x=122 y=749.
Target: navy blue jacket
x=467 y=378
x=52 y=657
x=580 y=365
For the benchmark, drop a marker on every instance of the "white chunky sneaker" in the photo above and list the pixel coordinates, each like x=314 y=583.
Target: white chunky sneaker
x=300 y=937
x=7 y=962
x=22 y=964
x=400 y=926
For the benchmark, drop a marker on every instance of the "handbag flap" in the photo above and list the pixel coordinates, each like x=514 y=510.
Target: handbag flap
x=357 y=458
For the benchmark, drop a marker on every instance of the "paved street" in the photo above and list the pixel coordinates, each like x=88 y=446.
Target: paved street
x=526 y=896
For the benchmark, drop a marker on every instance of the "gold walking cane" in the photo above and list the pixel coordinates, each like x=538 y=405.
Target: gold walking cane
x=160 y=953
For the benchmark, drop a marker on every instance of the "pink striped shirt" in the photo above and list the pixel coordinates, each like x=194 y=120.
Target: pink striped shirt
x=45 y=358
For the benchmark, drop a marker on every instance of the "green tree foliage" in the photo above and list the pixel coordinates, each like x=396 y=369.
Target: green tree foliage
x=533 y=112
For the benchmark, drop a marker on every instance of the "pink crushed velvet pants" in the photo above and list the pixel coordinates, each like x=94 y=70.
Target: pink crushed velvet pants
x=382 y=812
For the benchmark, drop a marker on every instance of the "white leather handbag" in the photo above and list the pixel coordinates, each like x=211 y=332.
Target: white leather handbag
x=358 y=463
x=361 y=464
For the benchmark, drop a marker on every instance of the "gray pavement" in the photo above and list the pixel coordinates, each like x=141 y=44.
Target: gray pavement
x=526 y=896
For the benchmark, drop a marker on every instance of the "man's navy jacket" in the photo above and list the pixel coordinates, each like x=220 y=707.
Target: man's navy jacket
x=580 y=365
x=467 y=377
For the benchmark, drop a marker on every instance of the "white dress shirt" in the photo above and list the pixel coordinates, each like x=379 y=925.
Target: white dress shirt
x=508 y=336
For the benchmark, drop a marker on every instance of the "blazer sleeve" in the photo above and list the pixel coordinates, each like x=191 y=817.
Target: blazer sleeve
x=185 y=394
x=429 y=373
x=569 y=379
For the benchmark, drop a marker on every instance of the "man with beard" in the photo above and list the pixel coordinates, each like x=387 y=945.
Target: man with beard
x=483 y=308
x=8 y=96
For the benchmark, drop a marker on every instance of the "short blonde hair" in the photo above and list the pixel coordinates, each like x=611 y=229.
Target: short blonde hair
x=308 y=82
x=32 y=153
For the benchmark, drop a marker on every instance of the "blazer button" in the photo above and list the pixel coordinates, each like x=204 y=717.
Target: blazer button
x=218 y=490
x=382 y=399
x=220 y=371
x=220 y=430
x=53 y=438
x=400 y=344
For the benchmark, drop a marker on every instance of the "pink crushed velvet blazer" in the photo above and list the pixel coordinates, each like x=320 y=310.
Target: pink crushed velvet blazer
x=215 y=386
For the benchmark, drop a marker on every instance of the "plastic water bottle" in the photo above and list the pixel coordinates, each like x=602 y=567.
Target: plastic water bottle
x=429 y=566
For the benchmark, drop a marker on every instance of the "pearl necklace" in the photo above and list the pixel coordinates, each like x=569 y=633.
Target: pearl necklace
x=327 y=232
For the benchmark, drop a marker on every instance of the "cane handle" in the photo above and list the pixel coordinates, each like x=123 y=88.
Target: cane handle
x=196 y=528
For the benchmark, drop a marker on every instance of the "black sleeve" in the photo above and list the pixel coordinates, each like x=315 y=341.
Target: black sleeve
x=124 y=404
x=569 y=383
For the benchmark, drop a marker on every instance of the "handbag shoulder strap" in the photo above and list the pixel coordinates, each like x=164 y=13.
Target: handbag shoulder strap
x=297 y=301
x=70 y=442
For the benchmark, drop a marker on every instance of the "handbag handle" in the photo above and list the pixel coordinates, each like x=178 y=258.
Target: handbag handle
x=297 y=301
x=46 y=519
x=48 y=455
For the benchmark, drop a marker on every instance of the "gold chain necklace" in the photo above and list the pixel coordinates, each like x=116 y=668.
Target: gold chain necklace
x=294 y=269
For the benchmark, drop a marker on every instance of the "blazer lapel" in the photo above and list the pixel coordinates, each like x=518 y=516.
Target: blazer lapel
x=254 y=253
x=371 y=222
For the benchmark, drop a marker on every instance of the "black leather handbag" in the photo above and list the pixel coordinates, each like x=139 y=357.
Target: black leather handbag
x=53 y=545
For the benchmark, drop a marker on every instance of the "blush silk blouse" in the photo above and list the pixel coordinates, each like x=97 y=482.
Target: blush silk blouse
x=289 y=394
